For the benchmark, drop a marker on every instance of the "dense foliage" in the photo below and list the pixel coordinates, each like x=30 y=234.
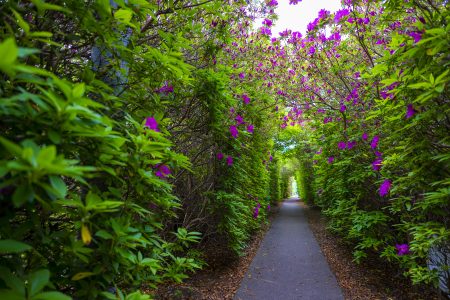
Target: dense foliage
x=372 y=95
x=135 y=134
x=116 y=153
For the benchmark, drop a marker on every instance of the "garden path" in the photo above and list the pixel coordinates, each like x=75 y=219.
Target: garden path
x=289 y=264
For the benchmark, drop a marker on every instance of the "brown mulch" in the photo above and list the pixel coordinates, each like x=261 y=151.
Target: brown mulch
x=222 y=276
x=371 y=279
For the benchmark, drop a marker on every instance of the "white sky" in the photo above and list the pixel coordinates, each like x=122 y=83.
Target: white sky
x=297 y=17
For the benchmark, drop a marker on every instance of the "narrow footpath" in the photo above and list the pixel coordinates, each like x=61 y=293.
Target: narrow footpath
x=289 y=264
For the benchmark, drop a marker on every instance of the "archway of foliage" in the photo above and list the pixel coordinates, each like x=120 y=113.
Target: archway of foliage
x=136 y=134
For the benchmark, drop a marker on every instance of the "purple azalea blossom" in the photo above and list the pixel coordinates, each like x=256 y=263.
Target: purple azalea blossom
x=343 y=108
x=152 y=124
x=267 y=22
x=323 y=13
x=246 y=99
x=272 y=3
x=239 y=119
x=256 y=212
x=264 y=31
x=165 y=89
x=374 y=142
x=364 y=136
x=376 y=165
x=330 y=159
x=241 y=75
x=402 y=249
x=162 y=171
x=234 y=131
x=340 y=14
x=416 y=35
x=385 y=187
x=410 y=111
x=341 y=145
x=220 y=156
x=351 y=144
x=229 y=160
x=312 y=50
x=250 y=128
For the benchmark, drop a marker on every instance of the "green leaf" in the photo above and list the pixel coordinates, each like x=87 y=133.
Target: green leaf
x=11 y=147
x=51 y=296
x=47 y=155
x=44 y=34
x=24 y=52
x=108 y=295
x=10 y=295
x=59 y=186
x=123 y=15
x=78 y=90
x=8 y=53
x=104 y=234
x=82 y=275
x=37 y=281
x=12 y=246
x=24 y=25
x=24 y=193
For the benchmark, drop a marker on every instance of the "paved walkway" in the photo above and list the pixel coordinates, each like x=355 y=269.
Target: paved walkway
x=289 y=264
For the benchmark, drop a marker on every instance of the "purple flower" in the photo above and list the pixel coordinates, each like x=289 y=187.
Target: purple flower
x=220 y=156
x=271 y=158
x=312 y=25
x=239 y=119
x=265 y=31
x=385 y=187
x=312 y=50
x=323 y=13
x=294 y=2
x=246 y=99
x=340 y=14
x=267 y=22
x=162 y=171
x=351 y=144
x=376 y=165
x=343 y=108
x=241 y=75
x=151 y=123
x=374 y=142
x=229 y=160
x=268 y=207
x=166 y=89
x=402 y=249
x=410 y=111
x=272 y=3
x=341 y=145
x=256 y=212
x=416 y=35
x=364 y=136
x=250 y=128
x=234 y=131
x=330 y=159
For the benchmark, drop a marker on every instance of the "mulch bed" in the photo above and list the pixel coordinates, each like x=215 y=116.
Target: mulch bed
x=221 y=278
x=371 y=279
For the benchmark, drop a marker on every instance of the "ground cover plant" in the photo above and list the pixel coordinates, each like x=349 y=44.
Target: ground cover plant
x=134 y=133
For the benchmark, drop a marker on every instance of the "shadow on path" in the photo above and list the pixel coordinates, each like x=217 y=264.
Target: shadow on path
x=289 y=263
